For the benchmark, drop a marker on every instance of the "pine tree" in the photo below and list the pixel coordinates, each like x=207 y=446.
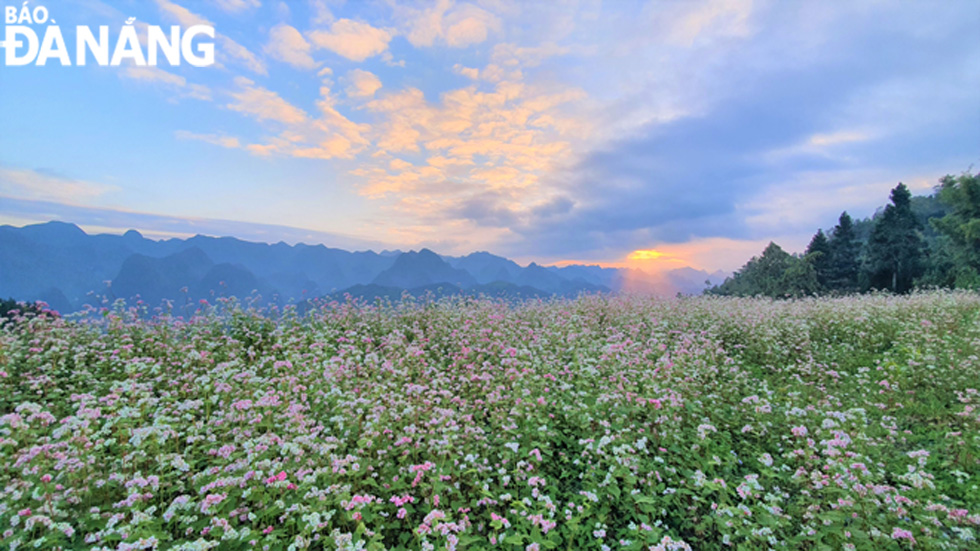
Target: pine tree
x=818 y=253
x=845 y=251
x=895 y=248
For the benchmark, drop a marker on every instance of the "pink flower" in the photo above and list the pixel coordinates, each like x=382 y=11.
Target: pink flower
x=212 y=499
x=503 y=521
x=399 y=501
x=276 y=478
x=898 y=534
x=267 y=530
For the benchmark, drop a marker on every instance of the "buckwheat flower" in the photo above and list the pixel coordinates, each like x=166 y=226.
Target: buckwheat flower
x=899 y=534
x=704 y=429
x=503 y=521
x=212 y=499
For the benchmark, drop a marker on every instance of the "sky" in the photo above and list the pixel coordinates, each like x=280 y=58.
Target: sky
x=646 y=134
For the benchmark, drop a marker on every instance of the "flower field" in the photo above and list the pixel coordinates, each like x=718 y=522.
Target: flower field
x=596 y=423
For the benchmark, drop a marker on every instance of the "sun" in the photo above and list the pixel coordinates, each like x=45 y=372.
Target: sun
x=645 y=254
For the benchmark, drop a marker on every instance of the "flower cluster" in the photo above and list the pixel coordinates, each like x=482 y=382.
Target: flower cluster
x=598 y=423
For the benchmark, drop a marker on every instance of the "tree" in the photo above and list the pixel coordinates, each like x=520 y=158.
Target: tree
x=845 y=251
x=961 y=227
x=775 y=274
x=818 y=253
x=895 y=248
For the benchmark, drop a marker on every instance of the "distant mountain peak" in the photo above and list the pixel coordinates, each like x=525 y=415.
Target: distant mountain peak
x=58 y=261
x=418 y=269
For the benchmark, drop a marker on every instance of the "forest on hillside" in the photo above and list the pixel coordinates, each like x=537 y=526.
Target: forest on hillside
x=913 y=242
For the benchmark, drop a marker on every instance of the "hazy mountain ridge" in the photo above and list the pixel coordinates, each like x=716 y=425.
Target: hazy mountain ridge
x=60 y=264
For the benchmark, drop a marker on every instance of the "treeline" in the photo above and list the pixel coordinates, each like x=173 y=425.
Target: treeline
x=914 y=242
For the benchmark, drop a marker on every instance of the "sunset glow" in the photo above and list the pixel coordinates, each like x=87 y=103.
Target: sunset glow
x=645 y=254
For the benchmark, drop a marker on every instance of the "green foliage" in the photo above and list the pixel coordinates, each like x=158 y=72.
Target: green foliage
x=776 y=274
x=819 y=253
x=924 y=242
x=961 y=226
x=896 y=249
x=845 y=253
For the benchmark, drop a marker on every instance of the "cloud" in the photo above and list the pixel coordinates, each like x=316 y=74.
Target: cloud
x=508 y=54
x=226 y=46
x=717 y=18
x=264 y=104
x=353 y=40
x=241 y=54
x=470 y=160
x=714 y=135
x=213 y=139
x=468 y=72
x=362 y=84
x=288 y=45
x=585 y=132
x=235 y=6
x=320 y=13
x=176 y=83
x=840 y=137
x=46 y=185
x=455 y=25
x=468 y=25
x=327 y=134
x=181 y=15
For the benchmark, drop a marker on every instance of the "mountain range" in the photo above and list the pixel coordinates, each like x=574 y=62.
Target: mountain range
x=62 y=265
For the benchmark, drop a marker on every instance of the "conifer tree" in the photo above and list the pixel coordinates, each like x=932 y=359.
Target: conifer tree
x=845 y=251
x=895 y=248
x=818 y=253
